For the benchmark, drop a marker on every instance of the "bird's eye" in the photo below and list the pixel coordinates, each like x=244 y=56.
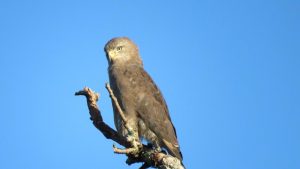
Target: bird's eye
x=119 y=48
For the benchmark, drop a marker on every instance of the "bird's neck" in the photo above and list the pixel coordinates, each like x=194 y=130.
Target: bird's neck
x=129 y=63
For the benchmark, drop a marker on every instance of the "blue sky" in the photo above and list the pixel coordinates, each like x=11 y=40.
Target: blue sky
x=229 y=71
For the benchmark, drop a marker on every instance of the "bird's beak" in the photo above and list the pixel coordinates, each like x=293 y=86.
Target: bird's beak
x=111 y=55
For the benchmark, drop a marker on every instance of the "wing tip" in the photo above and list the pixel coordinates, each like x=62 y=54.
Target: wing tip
x=173 y=149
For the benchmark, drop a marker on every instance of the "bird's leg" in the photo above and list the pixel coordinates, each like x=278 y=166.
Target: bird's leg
x=156 y=146
x=136 y=145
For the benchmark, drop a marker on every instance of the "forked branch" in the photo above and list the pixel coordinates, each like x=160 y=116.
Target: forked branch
x=147 y=155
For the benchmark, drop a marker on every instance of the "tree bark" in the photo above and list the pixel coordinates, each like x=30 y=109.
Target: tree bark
x=146 y=155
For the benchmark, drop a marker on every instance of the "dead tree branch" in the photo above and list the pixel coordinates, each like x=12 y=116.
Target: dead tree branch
x=146 y=155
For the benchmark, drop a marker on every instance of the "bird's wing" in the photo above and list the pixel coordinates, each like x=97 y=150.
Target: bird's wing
x=154 y=112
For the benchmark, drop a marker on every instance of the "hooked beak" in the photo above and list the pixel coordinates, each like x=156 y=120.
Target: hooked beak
x=111 y=55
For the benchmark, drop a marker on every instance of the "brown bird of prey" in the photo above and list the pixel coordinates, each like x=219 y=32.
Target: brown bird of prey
x=140 y=99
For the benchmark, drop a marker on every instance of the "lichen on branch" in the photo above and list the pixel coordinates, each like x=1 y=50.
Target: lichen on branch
x=145 y=154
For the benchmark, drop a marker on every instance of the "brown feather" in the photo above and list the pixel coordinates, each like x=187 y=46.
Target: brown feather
x=140 y=98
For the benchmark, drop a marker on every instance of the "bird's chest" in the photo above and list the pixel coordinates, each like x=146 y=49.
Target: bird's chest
x=123 y=82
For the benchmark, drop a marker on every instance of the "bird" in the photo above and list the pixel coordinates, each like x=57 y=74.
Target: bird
x=139 y=97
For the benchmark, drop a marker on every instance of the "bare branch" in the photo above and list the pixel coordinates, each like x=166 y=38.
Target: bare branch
x=150 y=157
x=92 y=98
x=116 y=103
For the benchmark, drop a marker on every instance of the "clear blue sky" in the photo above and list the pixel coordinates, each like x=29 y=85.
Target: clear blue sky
x=229 y=71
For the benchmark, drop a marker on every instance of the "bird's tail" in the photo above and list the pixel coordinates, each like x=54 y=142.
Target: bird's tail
x=173 y=150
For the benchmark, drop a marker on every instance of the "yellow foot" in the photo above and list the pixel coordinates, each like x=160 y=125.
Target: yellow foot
x=131 y=150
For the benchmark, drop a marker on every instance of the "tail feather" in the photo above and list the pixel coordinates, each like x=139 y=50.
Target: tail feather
x=173 y=150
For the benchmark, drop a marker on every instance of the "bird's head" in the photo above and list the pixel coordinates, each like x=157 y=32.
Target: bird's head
x=122 y=50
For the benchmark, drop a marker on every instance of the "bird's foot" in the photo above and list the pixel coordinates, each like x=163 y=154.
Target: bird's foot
x=128 y=151
x=157 y=149
x=133 y=151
